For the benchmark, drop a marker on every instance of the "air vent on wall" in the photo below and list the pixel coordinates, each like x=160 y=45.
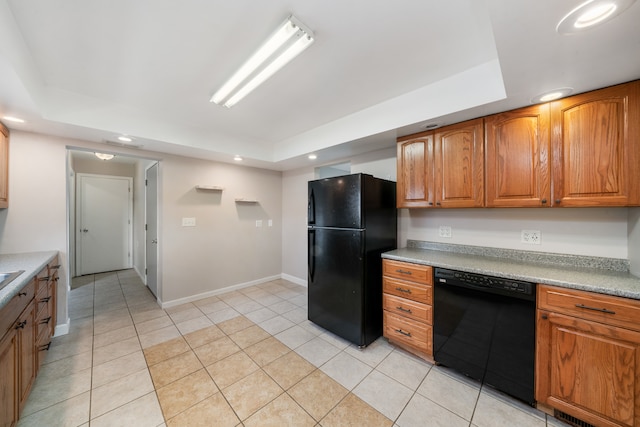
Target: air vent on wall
x=122 y=144
x=571 y=420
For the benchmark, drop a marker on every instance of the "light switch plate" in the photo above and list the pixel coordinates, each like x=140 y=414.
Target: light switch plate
x=188 y=222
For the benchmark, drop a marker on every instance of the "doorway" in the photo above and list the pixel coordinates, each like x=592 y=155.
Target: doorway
x=104 y=213
x=151 y=228
x=83 y=161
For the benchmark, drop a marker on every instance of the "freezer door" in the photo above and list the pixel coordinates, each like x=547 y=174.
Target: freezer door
x=336 y=202
x=336 y=282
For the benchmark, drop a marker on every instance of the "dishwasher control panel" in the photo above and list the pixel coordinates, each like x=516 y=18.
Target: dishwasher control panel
x=453 y=277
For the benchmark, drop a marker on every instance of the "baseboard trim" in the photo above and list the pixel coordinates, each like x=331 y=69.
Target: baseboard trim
x=294 y=279
x=179 y=301
x=62 y=329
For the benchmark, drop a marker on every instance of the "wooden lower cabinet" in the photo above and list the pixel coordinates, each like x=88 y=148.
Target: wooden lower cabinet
x=588 y=356
x=26 y=326
x=407 y=301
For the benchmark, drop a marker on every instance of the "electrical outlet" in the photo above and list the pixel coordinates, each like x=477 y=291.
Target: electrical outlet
x=530 y=237
x=444 y=231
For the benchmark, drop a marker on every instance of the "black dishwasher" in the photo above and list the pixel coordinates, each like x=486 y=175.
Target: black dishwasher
x=484 y=327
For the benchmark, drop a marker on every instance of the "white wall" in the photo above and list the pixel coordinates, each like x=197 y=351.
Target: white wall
x=224 y=249
x=36 y=217
x=634 y=240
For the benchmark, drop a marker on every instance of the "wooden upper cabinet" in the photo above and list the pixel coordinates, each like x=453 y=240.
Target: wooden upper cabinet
x=415 y=171
x=596 y=147
x=459 y=165
x=517 y=158
x=4 y=166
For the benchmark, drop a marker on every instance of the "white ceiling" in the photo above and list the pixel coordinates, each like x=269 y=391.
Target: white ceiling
x=96 y=69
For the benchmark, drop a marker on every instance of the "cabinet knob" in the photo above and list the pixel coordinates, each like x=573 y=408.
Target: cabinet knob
x=430 y=203
x=544 y=201
x=544 y=317
x=556 y=201
x=438 y=203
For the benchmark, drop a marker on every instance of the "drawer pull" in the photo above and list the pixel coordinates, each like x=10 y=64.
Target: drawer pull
x=22 y=294
x=406 y=310
x=45 y=320
x=400 y=331
x=407 y=291
x=408 y=272
x=45 y=299
x=45 y=347
x=21 y=325
x=603 y=310
x=44 y=279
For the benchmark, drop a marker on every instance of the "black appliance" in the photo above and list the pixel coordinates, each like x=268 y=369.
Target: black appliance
x=484 y=327
x=352 y=220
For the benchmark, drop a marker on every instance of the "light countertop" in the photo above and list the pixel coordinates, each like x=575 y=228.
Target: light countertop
x=31 y=263
x=601 y=280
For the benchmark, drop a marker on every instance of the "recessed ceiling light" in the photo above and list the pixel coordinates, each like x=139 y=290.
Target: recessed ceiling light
x=312 y=157
x=551 y=95
x=430 y=126
x=591 y=13
x=237 y=158
x=13 y=119
x=125 y=139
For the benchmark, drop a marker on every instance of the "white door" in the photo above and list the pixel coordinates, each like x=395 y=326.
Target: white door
x=104 y=227
x=151 y=221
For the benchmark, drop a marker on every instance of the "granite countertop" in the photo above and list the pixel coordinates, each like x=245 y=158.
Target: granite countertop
x=607 y=277
x=31 y=263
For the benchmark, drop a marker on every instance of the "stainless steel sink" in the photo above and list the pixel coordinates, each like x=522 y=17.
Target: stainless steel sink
x=6 y=278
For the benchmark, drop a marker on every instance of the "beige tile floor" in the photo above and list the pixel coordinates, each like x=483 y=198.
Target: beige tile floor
x=245 y=358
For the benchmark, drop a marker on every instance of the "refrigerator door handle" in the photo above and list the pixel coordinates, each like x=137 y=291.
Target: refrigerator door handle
x=312 y=208
x=311 y=262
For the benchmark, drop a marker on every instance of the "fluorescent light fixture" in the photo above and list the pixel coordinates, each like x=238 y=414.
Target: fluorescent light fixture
x=591 y=13
x=312 y=157
x=104 y=156
x=13 y=119
x=551 y=95
x=125 y=138
x=287 y=42
x=237 y=158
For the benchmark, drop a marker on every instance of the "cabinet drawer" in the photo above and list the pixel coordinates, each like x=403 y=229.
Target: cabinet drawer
x=407 y=308
x=407 y=331
x=15 y=306
x=404 y=289
x=611 y=310
x=407 y=271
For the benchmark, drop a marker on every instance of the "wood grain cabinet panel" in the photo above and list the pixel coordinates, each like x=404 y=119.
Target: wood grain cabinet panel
x=517 y=158
x=443 y=168
x=586 y=365
x=415 y=171
x=9 y=378
x=408 y=306
x=459 y=160
x=596 y=147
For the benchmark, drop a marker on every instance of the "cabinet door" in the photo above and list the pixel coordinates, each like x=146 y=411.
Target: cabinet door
x=26 y=330
x=588 y=370
x=4 y=167
x=596 y=147
x=517 y=158
x=9 y=379
x=459 y=161
x=415 y=172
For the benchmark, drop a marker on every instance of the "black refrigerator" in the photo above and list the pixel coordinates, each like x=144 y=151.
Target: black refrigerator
x=352 y=220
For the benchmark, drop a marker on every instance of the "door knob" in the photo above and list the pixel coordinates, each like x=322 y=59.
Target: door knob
x=84 y=230
x=154 y=241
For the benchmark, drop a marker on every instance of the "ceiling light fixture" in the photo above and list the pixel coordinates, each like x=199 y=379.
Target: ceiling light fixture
x=104 y=156
x=287 y=42
x=551 y=95
x=237 y=158
x=125 y=138
x=13 y=119
x=591 y=13
x=312 y=157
